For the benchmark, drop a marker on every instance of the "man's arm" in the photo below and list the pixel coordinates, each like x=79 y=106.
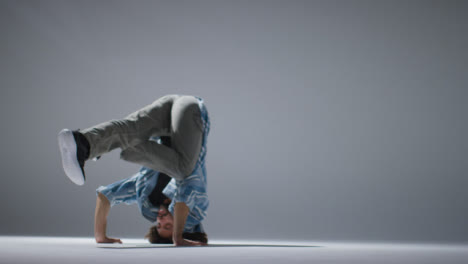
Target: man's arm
x=181 y=212
x=100 y=220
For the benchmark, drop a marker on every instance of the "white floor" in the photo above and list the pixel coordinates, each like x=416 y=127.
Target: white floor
x=135 y=251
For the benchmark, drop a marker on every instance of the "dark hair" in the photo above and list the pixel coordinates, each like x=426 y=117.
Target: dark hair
x=154 y=237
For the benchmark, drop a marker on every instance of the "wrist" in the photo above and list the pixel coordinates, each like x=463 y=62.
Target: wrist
x=177 y=237
x=100 y=239
x=99 y=236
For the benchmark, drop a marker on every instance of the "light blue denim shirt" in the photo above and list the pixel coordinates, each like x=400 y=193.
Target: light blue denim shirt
x=191 y=190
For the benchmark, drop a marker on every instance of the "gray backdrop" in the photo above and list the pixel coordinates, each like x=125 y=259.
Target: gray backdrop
x=341 y=120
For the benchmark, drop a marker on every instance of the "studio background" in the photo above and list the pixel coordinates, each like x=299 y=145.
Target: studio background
x=331 y=120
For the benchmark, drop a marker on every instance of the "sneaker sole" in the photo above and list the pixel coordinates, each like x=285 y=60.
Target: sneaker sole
x=70 y=163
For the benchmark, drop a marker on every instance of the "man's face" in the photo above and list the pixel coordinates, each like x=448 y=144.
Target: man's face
x=165 y=223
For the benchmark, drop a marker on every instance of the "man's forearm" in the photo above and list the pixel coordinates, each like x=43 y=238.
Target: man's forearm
x=181 y=212
x=100 y=217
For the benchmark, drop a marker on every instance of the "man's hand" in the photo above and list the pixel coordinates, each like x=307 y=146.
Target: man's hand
x=186 y=242
x=108 y=240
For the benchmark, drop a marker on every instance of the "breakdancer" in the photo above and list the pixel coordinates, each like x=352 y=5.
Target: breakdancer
x=168 y=138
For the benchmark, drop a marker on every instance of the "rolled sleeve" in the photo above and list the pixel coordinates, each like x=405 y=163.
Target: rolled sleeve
x=123 y=191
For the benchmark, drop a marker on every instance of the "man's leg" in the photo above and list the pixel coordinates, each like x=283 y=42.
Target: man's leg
x=132 y=130
x=187 y=132
x=77 y=147
x=186 y=137
x=155 y=156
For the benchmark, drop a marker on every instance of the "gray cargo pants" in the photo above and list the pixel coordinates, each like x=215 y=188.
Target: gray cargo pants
x=177 y=116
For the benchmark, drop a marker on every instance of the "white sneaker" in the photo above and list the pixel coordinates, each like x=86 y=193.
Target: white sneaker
x=72 y=160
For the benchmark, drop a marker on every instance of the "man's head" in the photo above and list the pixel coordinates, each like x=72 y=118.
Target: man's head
x=161 y=233
x=164 y=223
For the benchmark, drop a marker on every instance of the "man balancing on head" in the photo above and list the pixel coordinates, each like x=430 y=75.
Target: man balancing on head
x=168 y=138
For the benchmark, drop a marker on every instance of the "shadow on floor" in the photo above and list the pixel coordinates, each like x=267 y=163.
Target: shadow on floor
x=130 y=246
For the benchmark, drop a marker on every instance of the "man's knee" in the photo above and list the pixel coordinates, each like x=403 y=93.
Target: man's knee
x=128 y=155
x=186 y=168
